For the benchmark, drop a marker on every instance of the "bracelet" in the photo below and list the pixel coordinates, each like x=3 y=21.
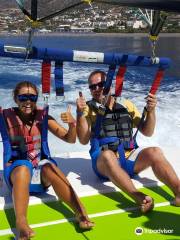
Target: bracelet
x=79 y=114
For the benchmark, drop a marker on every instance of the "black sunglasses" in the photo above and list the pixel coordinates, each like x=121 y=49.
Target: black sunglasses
x=100 y=85
x=26 y=97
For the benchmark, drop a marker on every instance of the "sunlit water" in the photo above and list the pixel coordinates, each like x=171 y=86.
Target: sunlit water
x=136 y=86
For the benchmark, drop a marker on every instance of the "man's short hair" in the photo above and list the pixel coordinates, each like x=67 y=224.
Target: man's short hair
x=103 y=75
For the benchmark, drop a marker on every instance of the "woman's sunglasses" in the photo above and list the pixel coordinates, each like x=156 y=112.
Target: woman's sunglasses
x=26 y=97
x=94 y=86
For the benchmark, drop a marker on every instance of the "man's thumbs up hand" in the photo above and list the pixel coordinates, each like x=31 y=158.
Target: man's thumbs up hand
x=81 y=102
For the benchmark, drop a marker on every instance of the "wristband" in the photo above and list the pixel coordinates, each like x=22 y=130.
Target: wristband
x=79 y=114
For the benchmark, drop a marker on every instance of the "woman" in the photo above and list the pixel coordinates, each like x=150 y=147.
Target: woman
x=27 y=131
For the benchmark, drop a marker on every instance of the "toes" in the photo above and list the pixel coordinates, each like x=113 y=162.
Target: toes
x=31 y=234
x=147 y=204
x=25 y=234
x=176 y=202
x=148 y=199
x=84 y=222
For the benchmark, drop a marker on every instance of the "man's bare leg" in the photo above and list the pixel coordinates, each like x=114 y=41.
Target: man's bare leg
x=154 y=157
x=108 y=165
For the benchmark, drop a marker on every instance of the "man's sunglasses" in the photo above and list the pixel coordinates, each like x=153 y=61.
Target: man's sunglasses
x=100 y=85
x=26 y=97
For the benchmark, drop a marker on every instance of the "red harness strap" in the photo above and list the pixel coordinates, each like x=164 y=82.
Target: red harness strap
x=119 y=80
x=46 y=77
x=157 y=80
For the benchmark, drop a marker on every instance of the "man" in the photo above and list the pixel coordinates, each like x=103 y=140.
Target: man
x=117 y=123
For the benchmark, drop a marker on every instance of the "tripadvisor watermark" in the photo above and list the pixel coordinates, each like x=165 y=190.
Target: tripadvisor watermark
x=140 y=231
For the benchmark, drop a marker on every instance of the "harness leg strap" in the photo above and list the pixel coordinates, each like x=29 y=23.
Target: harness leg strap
x=126 y=164
x=122 y=159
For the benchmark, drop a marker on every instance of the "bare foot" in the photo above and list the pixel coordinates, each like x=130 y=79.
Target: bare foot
x=146 y=202
x=176 y=201
x=84 y=222
x=24 y=232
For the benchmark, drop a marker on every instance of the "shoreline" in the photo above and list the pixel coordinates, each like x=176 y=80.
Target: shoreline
x=91 y=34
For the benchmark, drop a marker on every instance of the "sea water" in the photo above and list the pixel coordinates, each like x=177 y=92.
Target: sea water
x=136 y=86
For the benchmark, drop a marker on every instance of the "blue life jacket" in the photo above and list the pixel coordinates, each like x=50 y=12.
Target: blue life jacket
x=112 y=130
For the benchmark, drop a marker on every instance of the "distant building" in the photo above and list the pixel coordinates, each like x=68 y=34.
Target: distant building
x=44 y=30
x=130 y=23
x=139 y=24
x=63 y=28
x=81 y=29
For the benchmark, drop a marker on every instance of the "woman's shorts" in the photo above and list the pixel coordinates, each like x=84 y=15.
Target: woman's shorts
x=36 y=185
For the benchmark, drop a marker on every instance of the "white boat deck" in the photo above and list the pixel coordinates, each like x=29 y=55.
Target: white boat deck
x=77 y=167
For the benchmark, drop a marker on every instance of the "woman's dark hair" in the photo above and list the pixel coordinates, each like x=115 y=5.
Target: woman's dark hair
x=21 y=85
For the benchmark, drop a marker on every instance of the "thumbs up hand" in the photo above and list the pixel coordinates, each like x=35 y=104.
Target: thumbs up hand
x=67 y=117
x=81 y=102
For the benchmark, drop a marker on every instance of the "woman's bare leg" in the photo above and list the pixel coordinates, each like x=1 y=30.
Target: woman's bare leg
x=20 y=179
x=53 y=175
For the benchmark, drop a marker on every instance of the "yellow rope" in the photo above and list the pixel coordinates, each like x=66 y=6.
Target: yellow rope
x=33 y=23
x=153 y=38
x=87 y=1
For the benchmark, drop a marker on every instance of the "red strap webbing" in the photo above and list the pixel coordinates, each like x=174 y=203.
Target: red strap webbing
x=155 y=85
x=157 y=80
x=119 y=80
x=46 y=77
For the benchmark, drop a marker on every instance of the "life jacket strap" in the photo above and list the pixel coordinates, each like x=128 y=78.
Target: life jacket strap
x=5 y=138
x=128 y=145
x=3 y=129
x=122 y=157
x=104 y=141
x=120 y=149
x=45 y=153
x=28 y=139
x=97 y=127
x=30 y=147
